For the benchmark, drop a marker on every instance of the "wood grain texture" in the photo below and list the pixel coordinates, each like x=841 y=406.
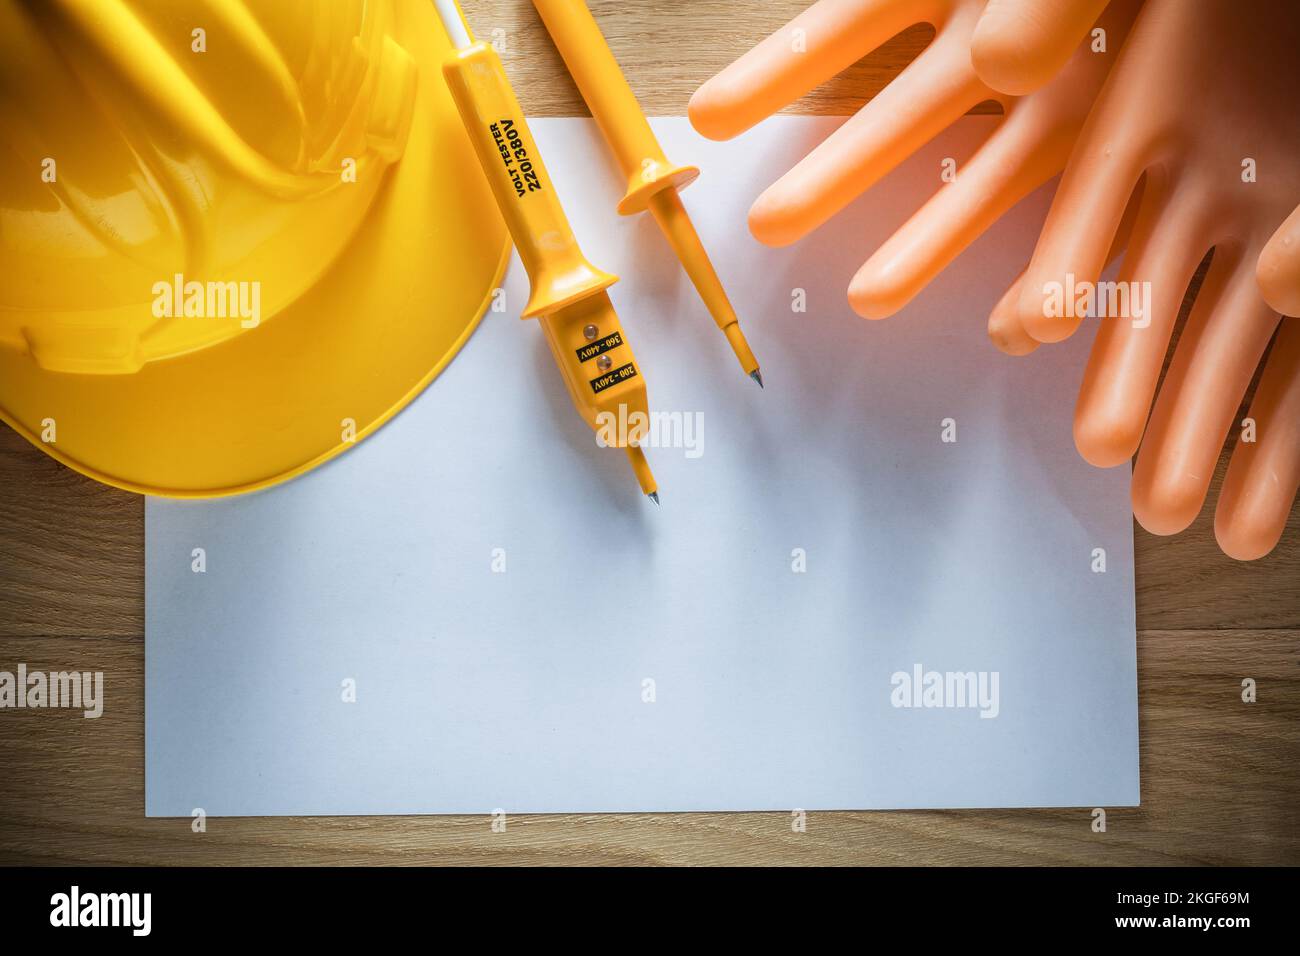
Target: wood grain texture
x=1220 y=782
x=667 y=48
x=1218 y=787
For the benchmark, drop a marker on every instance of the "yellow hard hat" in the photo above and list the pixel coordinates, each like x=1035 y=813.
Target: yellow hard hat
x=235 y=237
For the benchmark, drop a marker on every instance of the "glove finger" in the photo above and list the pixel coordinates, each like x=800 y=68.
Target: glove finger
x=1170 y=237
x=930 y=94
x=824 y=40
x=1216 y=356
x=1264 y=474
x=1278 y=269
x=1094 y=191
x=1004 y=323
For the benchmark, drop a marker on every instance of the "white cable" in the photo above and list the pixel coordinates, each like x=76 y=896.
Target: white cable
x=449 y=13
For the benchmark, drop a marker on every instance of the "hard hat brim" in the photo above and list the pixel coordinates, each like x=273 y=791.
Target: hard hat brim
x=307 y=384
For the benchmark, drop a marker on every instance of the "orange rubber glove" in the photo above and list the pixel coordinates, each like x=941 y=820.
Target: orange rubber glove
x=1199 y=103
x=1029 y=147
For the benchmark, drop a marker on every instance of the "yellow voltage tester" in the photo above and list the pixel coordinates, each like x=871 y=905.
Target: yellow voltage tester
x=567 y=294
x=652 y=181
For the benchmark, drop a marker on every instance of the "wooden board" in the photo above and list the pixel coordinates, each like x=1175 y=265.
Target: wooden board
x=1220 y=782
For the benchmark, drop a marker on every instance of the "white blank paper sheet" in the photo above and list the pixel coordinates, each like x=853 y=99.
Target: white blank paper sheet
x=834 y=607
